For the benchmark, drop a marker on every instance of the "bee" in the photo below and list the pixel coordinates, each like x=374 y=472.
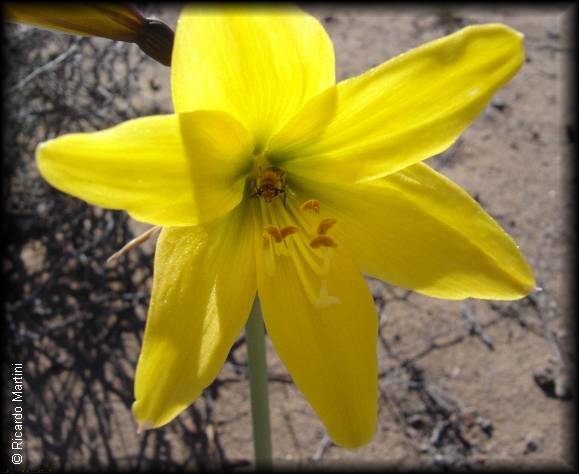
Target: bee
x=270 y=183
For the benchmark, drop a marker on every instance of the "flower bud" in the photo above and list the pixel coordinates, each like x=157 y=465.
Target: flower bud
x=156 y=40
x=116 y=21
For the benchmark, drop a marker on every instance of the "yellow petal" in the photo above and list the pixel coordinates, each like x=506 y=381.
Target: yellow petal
x=220 y=157
x=261 y=64
x=418 y=230
x=409 y=108
x=203 y=289
x=117 y=21
x=330 y=351
x=156 y=168
x=305 y=127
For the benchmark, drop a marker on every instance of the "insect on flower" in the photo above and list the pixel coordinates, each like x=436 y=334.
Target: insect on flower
x=270 y=183
x=347 y=159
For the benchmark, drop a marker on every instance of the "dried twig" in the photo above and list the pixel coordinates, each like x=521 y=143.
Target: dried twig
x=322 y=448
x=475 y=327
x=49 y=66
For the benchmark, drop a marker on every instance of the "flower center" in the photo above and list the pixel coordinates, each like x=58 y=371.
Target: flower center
x=300 y=235
x=266 y=180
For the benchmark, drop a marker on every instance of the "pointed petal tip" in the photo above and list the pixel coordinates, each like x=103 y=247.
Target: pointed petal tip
x=40 y=150
x=355 y=442
x=524 y=291
x=144 y=426
x=531 y=286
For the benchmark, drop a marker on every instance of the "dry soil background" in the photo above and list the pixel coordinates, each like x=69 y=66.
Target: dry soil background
x=462 y=383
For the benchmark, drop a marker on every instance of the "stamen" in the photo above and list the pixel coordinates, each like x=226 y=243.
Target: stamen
x=322 y=241
x=327 y=254
x=274 y=232
x=310 y=250
x=304 y=251
x=301 y=219
x=325 y=225
x=288 y=230
x=269 y=259
x=135 y=242
x=325 y=299
x=306 y=284
x=269 y=215
x=311 y=205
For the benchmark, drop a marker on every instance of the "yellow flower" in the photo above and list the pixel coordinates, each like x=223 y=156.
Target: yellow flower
x=271 y=178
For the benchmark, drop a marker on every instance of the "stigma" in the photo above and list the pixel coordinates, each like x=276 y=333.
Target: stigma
x=298 y=235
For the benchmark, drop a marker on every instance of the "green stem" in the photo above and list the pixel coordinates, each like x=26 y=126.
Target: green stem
x=255 y=340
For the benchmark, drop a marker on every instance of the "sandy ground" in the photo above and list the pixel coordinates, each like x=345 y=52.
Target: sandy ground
x=512 y=160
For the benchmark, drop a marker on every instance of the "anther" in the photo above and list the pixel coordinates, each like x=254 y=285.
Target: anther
x=280 y=234
x=325 y=225
x=288 y=230
x=322 y=241
x=311 y=205
x=274 y=232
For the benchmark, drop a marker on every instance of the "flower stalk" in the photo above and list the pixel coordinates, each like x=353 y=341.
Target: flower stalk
x=256 y=357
